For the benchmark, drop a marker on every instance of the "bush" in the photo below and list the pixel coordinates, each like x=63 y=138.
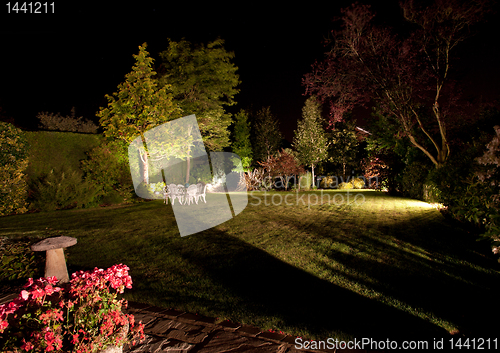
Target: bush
x=413 y=178
x=14 y=151
x=106 y=167
x=471 y=191
x=57 y=122
x=329 y=182
x=305 y=181
x=18 y=261
x=358 y=183
x=62 y=189
x=346 y=186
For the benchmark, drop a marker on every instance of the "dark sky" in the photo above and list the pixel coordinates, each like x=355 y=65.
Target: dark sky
x=52 y=62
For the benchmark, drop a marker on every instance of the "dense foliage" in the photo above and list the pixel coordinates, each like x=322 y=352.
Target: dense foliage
x=108 y=171
x=14 y=152
x=408 y=74
x=70 y=123
x=266 y=134
x=203 y=81
x=62 y=189
x=310 y=139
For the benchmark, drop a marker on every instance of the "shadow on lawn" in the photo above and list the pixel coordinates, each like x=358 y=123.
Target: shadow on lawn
x=270 y=287
x=426 y=264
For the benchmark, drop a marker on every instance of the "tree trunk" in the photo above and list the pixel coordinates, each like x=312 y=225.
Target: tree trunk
x=188 y=167
x=313 y=183
x=144 y=167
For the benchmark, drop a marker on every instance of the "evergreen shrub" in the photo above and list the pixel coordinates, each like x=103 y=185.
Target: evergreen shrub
x=62 y=189
x=14 y=152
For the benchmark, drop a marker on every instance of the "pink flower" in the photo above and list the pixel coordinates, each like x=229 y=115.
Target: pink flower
x=24 y=294
x=3 y=325
x=27 y=346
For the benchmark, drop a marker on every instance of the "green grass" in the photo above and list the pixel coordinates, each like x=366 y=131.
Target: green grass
x=306 y=264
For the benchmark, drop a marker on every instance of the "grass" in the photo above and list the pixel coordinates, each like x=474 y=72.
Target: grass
x=307 y=264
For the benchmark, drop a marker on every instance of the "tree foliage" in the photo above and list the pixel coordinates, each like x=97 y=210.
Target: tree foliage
x=310 y=139
x=409 y=77
x=267 y=134
x=203 y=82
x=140 y=105
x=69 y=123
x=242 y=145
x=14 y=155
x=284 y=166
x=343 y=146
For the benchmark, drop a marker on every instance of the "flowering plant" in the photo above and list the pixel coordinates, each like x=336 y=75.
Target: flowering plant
x=83 y=315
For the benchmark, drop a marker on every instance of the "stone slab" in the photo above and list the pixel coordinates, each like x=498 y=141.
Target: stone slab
x=249 y=330
x=273 y=336
x=54 y=243
x=187 y=337
x=225 y=341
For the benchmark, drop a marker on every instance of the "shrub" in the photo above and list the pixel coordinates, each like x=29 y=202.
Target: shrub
x=106 y=167
x=72 y=123
x=413 y=178
x=305 y=181
x=84 y=315
x=62 y=189
x=18 y=261
x=358 y=183
x=329 y=182
x=470 y=190
x=346 y=186
x=254 y=179
x=14 y=150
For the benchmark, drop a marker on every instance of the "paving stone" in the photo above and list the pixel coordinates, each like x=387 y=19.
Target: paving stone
x=274 y=336
x=151 y=344
x=173 y=312
x=155 y=309
x=289 y=339
x=229 y=325
x=146 y=319
x=225 y=341
x=188 y=316
x=177 y=346
x=187 y=337
x=205 y=319
x=249 y=330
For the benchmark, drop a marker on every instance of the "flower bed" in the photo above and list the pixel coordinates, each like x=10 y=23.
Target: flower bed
x=83 y=315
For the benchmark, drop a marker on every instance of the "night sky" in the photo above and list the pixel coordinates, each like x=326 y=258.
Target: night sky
x=52 y=62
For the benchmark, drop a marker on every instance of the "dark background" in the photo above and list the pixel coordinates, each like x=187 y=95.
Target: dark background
x=52 y=62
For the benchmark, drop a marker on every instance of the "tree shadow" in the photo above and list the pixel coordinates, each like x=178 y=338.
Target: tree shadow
x=268 y=286
x=428 y=265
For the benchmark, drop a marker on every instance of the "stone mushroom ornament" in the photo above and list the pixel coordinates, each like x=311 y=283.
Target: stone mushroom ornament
x=55 y=263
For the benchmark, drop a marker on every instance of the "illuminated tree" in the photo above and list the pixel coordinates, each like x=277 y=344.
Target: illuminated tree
x=267 y=135
x=138 y=106
x=203 y=82
x=241 y=139
x=310 y=139
x=408 y=77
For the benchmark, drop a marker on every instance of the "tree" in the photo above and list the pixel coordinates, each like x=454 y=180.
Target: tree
x=284 y=166
x=343 y=146
x=203 y=82
x=242 y=145
x=310 y=140
x=409 y=77
x=267 y=135
x=138 y=106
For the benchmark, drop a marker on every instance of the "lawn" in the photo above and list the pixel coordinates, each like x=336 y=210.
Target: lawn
x=314 y=264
